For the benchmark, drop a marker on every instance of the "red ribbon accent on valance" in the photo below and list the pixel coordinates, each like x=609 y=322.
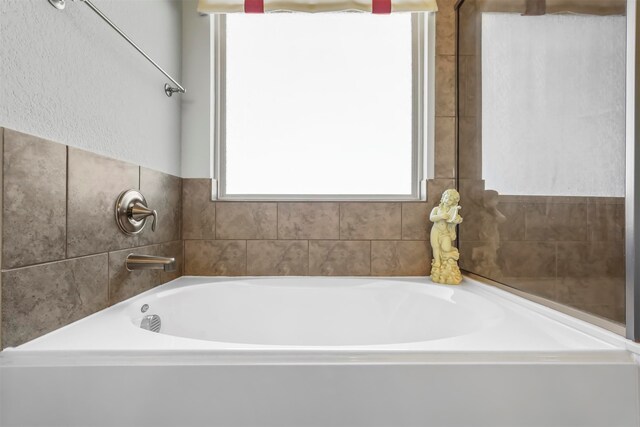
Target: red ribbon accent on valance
x=381 y=6
x=253 y=6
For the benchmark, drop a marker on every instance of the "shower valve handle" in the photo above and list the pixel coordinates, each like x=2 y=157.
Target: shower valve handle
x=132 y=213
x=140 y=212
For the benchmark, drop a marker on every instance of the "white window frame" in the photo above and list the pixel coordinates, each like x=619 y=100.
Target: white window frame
x=423 y=118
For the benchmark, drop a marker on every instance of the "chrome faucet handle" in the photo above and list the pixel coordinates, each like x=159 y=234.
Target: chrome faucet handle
x=132 y=213
x=140 y=212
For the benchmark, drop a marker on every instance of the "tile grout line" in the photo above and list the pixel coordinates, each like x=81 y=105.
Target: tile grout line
x=86 y=256
x=108 y=279
x=308 y=257
x=401 y=224
x=66 y=201
x=2 y=223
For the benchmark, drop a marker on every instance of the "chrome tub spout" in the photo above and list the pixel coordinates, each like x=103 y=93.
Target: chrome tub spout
x=150 y=262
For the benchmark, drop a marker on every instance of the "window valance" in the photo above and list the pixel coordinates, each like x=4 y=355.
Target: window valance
x=309 y=6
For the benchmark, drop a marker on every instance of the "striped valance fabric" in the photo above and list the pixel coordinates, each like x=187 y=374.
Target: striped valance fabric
x=317 y=6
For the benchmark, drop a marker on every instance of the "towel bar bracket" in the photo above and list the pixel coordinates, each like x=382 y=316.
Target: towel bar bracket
x=58 y=4
x=168 y=89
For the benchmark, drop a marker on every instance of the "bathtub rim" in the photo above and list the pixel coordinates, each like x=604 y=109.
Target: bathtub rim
x=624 y=351
x=572 y=312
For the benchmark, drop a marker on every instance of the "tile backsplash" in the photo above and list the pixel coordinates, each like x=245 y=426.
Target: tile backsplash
x=63 y=255
x=62 y=252
x=566 y=249
x=306 y=238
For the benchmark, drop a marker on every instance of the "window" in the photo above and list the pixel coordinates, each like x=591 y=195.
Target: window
x=319 y=106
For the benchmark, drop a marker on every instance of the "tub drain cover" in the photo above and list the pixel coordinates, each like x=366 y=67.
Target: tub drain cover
x=151 y=323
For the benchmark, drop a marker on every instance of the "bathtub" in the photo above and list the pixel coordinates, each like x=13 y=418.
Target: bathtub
x=323 y=352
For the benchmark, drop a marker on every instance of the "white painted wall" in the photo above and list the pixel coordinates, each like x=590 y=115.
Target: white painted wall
x=197 y=103
x=67 y=76
x=553 y=104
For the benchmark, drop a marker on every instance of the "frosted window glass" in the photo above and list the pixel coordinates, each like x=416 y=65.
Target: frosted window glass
x=319 y=104
x=553 y=104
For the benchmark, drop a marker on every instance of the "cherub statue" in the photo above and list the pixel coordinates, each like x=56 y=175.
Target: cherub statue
x=445 y=217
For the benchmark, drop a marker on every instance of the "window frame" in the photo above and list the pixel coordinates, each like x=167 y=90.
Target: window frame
x=423 y=117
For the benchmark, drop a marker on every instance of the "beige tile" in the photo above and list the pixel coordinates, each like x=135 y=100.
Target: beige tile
x=591 y=259
x=246 y=220
x=277 y=257
x=198 y=211
x=513 y=227
x=34 y=208
x=611 y=7
x=470 y=150
x=400 y=258
x=502 y=6
x=415 y=221
x=468 y=35
x=528 y=259
x=316 y=220
x=556 y=222
x=545 y=200
x=606 y=222
x=339 y=258
x=215 y=257
x=370 y=221
x=435 y=188
x=446 y=28
x=163 y=193
x=482 y=258
x=602 y=296
x=445 y=147
x=486 y=221
x=41 y=298
x=125 y=284
x=474 y=221
x=544 y=287
x=95 y=182
x=468 y=88
x=445 y=86
x=606 y=200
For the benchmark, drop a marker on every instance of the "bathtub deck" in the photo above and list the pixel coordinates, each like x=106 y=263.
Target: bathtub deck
x=536 y=368
x=525 y=328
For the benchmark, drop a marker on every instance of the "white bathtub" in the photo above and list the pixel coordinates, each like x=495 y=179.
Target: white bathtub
x=323 y=352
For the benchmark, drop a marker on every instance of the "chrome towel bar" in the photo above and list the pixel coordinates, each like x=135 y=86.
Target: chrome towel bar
x=168 y=89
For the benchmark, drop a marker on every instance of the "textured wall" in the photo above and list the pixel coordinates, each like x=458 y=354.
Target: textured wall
x=67 y=76
x=197 y=103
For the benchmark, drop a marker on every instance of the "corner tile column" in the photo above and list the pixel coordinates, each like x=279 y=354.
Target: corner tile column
x=445 y=90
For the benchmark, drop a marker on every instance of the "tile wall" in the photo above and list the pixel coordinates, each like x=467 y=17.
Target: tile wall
x=62 y=253
x=305 y=238
x=566 y=249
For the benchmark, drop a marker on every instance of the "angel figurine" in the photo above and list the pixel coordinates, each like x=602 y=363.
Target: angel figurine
x=445 y=217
